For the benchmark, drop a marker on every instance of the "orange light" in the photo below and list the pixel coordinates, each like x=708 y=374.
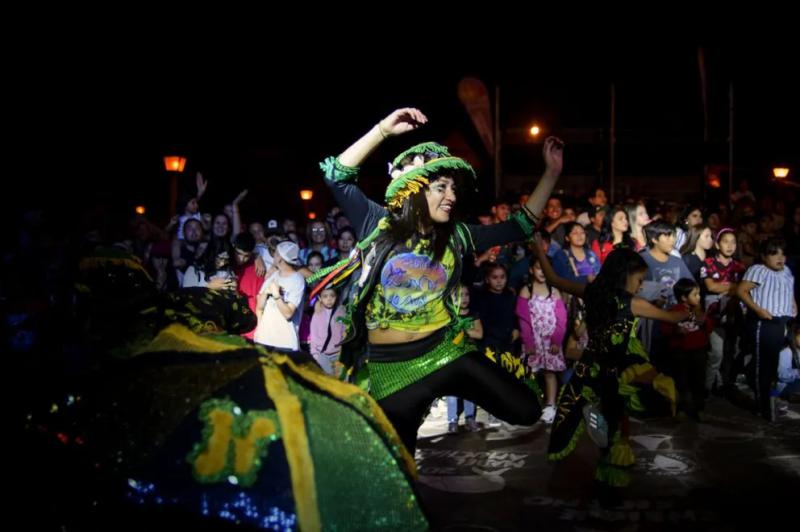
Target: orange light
x=534 y=131
x=780 y=172
x=173 y=163
x=714 y=182
x=312 y=216
x=140 y=209
x=306 y=194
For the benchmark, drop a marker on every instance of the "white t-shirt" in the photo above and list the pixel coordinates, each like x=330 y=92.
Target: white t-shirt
x=262 y=251
x=680 y=240
x=774 y=291
x=292 y=291
x=195 y=277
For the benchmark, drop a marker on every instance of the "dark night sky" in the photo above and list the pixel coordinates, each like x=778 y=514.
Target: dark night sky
x=263 y=121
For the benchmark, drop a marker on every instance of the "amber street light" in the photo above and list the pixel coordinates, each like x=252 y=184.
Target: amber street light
x=174 y=165
x=780 y=172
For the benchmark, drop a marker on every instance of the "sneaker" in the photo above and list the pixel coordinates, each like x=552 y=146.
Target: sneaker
x=596 y=425
x=772 y=412
x=548 y=414
x=452 y=428
x=472 y=425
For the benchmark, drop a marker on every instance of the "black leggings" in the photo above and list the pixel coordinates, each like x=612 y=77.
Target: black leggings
x=767 y=339
x=688 y=369
x=472 y=377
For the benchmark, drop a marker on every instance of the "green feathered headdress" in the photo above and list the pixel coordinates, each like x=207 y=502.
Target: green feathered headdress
x=428 y=150
x=429 y=161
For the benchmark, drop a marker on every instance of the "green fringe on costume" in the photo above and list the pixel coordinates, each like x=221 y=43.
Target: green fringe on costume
x=336 y=171
x=621 y=454
x=612 y=475
x=631 y=395
x=526 y=224
x=573 y=442
x=421 y=149
x=570 y=411
x=452 y=165
x=362 y=244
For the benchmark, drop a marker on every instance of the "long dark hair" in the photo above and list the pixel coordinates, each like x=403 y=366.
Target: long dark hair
x=684 y=215
x=216 y=246
x=693 y=235
x=607 y=233
x=533 y=263
x=568 y=227
x=600 y=295
x=406 y=221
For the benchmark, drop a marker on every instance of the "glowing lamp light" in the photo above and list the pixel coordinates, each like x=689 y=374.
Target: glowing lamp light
x=173 y=163
x=780 y=172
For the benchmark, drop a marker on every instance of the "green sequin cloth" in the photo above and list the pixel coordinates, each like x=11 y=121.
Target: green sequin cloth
x=387 y=378
x=340 y=476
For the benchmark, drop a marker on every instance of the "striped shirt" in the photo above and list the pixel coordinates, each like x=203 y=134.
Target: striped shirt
x=774 y=291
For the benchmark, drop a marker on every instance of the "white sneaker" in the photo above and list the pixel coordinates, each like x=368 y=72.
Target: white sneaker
x=548 y=414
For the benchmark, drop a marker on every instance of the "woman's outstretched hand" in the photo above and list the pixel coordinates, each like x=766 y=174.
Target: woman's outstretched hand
x=554 y=155
x=402 y=121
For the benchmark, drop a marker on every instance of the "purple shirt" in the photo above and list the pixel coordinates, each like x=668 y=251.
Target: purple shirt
x=319 y=331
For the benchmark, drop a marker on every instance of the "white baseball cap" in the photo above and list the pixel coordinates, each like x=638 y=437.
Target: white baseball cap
x=289 y=252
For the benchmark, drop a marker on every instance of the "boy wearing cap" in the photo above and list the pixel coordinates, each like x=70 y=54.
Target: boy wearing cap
x=280 y=301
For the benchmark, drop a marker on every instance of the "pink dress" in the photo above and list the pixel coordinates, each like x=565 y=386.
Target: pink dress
x=543 y=323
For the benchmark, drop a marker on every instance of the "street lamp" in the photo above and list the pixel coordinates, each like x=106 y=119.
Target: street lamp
x=140 y=209
x=174 y=164
x=780 y=172
x=534 y=130
x=306 y=194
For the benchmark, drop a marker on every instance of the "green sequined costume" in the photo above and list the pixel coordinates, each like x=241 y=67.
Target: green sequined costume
x=197 y=428
x=392 y=373
x=615 y=372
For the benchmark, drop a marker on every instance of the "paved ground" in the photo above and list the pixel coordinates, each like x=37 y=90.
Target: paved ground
x=731 y=472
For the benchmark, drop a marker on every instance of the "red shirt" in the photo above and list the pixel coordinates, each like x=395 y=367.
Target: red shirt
x=249 y=286
x=688 y=335
x=721 y=273
x=602 y=250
